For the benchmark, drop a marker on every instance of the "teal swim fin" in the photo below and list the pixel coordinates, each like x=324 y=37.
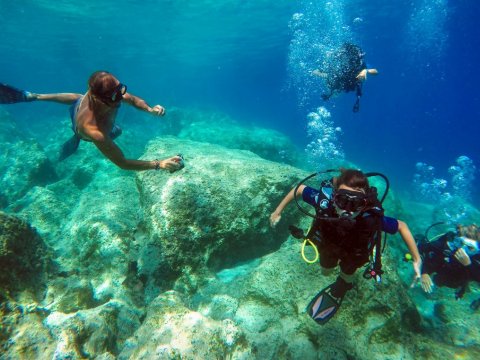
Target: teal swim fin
x=11 y=95
x=327 y=302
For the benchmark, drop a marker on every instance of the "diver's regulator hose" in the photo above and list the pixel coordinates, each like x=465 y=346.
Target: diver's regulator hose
x=308 y=261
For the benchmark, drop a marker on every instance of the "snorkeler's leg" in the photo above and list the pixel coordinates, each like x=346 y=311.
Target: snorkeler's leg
x=62 y=98
x=69 y=147
x=116 y=132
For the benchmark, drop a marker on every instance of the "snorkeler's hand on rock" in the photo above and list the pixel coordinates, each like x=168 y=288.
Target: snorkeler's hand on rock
x=157 y=110
x=172 y=164
x=427 y=284
x=275 y=218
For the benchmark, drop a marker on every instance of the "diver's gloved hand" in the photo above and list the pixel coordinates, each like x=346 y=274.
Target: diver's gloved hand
x=296 y=232
x=427 y=283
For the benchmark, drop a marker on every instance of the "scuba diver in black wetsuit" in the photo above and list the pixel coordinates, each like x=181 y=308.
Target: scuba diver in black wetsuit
x=346 y=72
x=453 y=259
x=347 y=225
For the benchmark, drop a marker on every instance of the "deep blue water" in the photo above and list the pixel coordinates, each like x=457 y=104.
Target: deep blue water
x=233 y=56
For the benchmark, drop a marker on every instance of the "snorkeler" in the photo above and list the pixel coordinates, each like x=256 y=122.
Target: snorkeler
x=93 y=118
x=453 y=259
x=346 y=72
x=347 y=225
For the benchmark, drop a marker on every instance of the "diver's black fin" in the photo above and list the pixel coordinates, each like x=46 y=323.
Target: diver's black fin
x=69 y=147
x=11 y=95
x=325 y=304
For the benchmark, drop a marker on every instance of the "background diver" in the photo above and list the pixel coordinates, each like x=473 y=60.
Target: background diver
x=453 y=260
x=93 y=118
x=345 y=72
x=348 y=220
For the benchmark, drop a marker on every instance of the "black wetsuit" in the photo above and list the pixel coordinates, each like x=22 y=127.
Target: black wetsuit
x=439 y=259
x=344 y=242
x=343 y=71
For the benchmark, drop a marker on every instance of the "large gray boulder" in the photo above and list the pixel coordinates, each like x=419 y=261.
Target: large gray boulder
x=213 y=213
x=219 y=128
x=257 y=311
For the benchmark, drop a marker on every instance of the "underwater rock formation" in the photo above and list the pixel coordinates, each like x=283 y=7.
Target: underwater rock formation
x=185 y=265
x=211 y=214
x=23 y=165
x=171 y=330
x=220 y=129
x=23 y=256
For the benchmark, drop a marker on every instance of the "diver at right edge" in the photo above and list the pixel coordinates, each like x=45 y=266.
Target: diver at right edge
x=452 y=260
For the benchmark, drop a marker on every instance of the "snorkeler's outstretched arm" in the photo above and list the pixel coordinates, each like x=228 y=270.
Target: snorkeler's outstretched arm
x=277 y=214
x=115 y=155
x=141 y=104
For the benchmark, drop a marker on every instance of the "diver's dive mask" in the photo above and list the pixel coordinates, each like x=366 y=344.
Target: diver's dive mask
x=349 y=203
x=471 y=247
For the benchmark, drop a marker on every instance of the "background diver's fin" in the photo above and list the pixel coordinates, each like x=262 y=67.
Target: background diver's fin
x=323 y=306
x=69 y=147
x=11 y=95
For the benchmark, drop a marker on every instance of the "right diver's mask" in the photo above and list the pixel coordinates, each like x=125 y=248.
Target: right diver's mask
x=471 y=247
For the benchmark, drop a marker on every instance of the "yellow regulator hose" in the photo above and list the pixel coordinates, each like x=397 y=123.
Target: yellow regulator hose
x=314 y=249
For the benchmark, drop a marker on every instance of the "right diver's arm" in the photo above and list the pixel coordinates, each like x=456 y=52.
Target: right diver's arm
x=277 y=214
x=62 y=98
x=409 y=240
x=362 y=75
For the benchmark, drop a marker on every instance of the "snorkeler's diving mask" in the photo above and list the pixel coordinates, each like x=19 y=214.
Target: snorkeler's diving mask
x=118 y=92
x=114 y=96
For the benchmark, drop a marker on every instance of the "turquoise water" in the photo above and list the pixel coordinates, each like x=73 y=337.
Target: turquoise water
x=235 y=74
x=234 y=56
